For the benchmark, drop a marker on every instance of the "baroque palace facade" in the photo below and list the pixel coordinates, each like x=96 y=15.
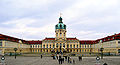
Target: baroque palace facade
x=60 y=43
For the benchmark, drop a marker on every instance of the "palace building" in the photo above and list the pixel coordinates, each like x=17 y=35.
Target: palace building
x=60 y=43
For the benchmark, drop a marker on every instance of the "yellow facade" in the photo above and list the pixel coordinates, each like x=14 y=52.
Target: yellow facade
x=8 y=47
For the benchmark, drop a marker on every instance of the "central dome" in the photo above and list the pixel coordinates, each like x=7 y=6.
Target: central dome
x=60 y=25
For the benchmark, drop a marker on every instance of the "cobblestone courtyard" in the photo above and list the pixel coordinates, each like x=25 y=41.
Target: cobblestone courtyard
x=10 y=60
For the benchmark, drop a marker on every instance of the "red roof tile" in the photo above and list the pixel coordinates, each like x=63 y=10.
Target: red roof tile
x=9 y=38
x=87 y=41
x=72 y=39
x=49 y=39
x=34 y=42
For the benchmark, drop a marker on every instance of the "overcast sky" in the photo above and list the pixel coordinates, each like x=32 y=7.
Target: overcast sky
x=36 y=19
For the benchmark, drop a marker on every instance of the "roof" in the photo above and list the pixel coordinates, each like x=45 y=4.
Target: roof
x=87 y=41
x=9 y=38
x=72 y=38
x=54 y=39
x=34 y=42
x=109 y=38
x=49 y=39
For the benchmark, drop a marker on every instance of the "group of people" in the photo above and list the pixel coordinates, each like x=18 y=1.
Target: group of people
x=61 y=59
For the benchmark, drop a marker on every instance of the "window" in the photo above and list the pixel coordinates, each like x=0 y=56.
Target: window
x=53 y=46
x=70 y=46
x=64 y=34
x=118 y=50
x=38 y=46
x=74 y=46
x=43 y=46
x=50 y=45
x=47 y=45
x=82 y=46
x=57 y=45
x=35 y=50
x=82 y=50
x=67 y=45
x=85 y=45
x=60 y=34
x=100 y=41
x=113 y=37
x=56 y=34
x=33 y=46
x=118 y=42
x=77 y=46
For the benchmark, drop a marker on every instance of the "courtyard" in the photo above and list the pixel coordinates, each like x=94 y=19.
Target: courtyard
x=21 y=60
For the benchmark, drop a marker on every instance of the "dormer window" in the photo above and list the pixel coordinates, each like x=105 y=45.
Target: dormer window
x=113 y=37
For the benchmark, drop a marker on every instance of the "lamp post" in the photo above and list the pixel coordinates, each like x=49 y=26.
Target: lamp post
x=101 y=49
x=15 y=49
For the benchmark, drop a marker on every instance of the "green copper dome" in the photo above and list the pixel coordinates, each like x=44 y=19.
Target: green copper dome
x=60 y=25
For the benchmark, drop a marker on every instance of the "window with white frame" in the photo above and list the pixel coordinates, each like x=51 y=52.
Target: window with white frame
x=0 y=43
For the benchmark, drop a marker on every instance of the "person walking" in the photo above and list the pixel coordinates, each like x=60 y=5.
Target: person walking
x=65 y=58
x=80 y=58
x=41 y=56
x=73 y=61
x=59 y=61
x=68 y=59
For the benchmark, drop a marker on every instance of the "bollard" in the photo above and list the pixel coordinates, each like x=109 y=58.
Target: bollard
x=3 y=60
x=97 y=60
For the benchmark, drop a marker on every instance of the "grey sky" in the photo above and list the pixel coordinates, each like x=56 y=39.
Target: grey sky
x=36 y=19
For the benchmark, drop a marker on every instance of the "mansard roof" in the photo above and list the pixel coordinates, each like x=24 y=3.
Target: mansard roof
x=109 y=38
x=9 y=38
x=54 y=38
x=49 y=38
x=87 y=42
x=72 y=38
x=105 y=39
x=34 y=42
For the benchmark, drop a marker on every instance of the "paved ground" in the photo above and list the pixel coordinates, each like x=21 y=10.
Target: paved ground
x=10 y=60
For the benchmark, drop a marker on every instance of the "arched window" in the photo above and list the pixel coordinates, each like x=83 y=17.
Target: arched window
x=43 y=46
x=57 y=45
x=47 y=45
x=53 y=46
x=64 y=34
x=74 y=45
x=67 y=45
x=60 y=34
x=33 y=46
x=50 y=45
x=71 y=46
x=56 y=34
